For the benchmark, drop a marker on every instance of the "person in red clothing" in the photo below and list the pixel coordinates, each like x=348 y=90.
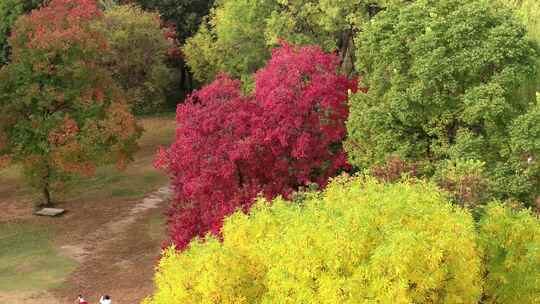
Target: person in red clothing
x=82 y=300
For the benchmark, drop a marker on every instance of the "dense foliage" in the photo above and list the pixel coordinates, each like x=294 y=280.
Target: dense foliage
x=239 y=35
x=137 y=57
x=230 y=147
x=510 y=241
x=446 y=82
x=360 y=241
x=185 y=14
x=529 y=12
x=10 y=10
x=60 y=111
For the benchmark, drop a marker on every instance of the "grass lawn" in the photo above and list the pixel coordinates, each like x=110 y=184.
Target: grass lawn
x=31 y=257
x=138 y=179
x=28 y=260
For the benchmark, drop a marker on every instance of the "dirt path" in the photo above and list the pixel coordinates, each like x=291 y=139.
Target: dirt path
x=118 y=256
x=107 y=235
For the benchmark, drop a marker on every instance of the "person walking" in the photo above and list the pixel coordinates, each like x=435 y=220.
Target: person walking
x=81 y=300
x=105 y=300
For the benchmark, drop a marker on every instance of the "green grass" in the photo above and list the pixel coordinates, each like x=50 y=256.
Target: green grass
x=28 y=261
x=139 y=178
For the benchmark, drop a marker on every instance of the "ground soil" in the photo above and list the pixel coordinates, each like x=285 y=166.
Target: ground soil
x=112 y=243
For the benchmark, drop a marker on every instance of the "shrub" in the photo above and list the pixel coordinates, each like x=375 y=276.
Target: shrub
x=359 y=241
x=137 y=57
x=230 y=147
x=61 y=113
x=465 y=180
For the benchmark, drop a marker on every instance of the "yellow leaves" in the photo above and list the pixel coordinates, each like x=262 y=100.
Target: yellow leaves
x=360 y=241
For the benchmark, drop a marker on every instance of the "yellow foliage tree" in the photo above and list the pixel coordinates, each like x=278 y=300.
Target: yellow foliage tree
x=359 y=241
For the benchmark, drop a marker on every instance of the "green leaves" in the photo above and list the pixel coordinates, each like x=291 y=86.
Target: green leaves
x=446 y=80
x=10 y=10
x=137 y=56
x=239 y=34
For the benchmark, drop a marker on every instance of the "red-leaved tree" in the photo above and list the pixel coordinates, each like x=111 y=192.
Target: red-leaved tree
x=230 y=147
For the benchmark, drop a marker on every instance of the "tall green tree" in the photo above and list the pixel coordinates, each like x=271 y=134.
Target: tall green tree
x=529 y=12
x=185 y=14
x=239 y=34
x=137 y=55
x=446 y=81
x=10 y=10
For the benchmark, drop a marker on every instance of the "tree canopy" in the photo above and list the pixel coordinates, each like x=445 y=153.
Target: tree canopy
x=360 y=241
x=436 y=94
x=61 y=113
x=230 y=147
x=238 y=35
x=10 y=10
x=138 y=48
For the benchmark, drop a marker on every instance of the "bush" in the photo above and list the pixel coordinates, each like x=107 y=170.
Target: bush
x=137 y=57
x=359 y=241
x=464 y=180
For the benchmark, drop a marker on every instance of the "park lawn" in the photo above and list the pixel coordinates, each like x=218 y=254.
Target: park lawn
x=139 y=178
x=31 y=258
x=134 y=182
x=28 y=260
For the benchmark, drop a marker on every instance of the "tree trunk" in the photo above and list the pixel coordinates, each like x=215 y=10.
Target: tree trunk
x=346 y=50
x=46 y=196
x=47 y=202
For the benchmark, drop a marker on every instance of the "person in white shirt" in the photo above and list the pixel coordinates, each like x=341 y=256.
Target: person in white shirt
x=105 y=300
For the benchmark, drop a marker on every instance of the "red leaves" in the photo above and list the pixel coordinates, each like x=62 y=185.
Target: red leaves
x=66 y=113
x=65 y=132
x=231 y=147
x=59 y=25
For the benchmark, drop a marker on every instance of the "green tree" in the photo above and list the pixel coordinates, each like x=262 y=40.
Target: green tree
x=60 y=111
x=187 y=15
x=446 y=81
x=239 y=34
x=10 y=10
x=529 y=12
x=137 y=55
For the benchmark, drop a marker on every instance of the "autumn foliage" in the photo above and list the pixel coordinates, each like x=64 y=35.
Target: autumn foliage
x=60 y=111
x=230 y=147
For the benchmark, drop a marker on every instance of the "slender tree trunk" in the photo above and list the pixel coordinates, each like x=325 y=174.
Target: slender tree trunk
x=347 y=50
x=47 y=202
x=47 y=196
